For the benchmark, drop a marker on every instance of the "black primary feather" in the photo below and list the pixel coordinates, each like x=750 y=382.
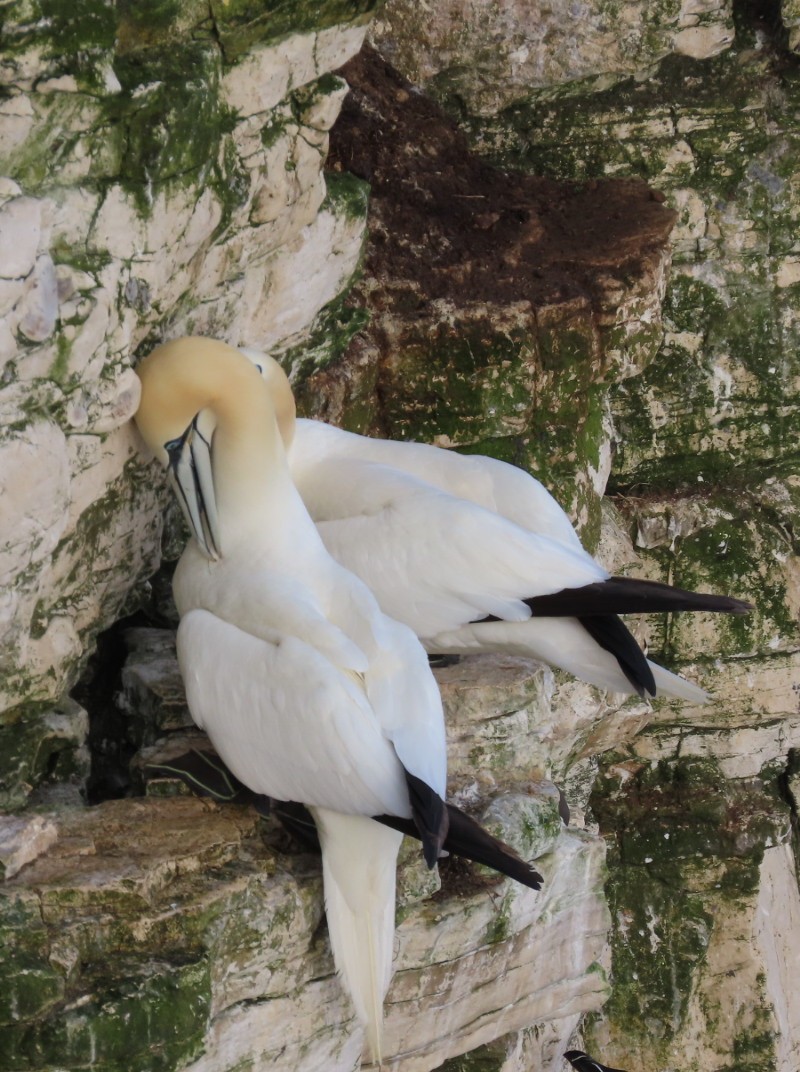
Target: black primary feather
x=611 y=633
x=207 y=776
x=465 y=838
x=630 y=595
x=626 y=595
x=584 y=1063
x=430 y=816
x=597 y=605
x=468 y=839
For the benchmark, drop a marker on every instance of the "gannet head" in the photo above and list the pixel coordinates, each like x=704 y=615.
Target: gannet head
x=187 y=386
x=279 y=388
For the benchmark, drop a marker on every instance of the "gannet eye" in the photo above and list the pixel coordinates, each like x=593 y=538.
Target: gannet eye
x=260 y=369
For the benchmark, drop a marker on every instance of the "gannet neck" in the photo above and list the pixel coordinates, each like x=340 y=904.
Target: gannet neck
x=280 y=390
x=252 y=485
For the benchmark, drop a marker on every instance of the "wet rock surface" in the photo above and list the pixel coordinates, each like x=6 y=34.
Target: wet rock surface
x=465 y=231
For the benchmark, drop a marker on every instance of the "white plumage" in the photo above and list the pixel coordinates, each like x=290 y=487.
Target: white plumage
x=307 y=691
x=444 y=540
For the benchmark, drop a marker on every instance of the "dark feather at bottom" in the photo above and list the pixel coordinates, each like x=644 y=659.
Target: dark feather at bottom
x=207 y=776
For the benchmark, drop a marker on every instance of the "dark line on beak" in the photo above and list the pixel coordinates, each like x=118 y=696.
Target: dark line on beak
x=201 y=502
x=174 y=449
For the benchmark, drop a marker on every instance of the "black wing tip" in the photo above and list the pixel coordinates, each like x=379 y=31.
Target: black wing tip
x=683 y=598
x=583 y=1062
x=468 y=838
x=533 y=881
x=431 y=817
x=611 y=633
x=741 y=606
x=709 y=601
x=631 y=595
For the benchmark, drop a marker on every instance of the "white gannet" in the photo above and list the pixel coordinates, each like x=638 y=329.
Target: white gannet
x=474 y=554
x=307 y=691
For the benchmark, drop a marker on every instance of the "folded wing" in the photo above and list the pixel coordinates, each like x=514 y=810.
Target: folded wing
x=289 y=724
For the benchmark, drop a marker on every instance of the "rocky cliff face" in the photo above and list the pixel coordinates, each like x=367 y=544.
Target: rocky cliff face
x=164 y=169
x=164 y=176
x=703 y=483
x=169 y=932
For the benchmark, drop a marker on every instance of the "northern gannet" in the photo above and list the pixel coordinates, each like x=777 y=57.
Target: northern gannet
x=474 y=554
x=307 y=691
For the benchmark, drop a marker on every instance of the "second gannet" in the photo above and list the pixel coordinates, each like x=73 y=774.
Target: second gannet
x=473 y=554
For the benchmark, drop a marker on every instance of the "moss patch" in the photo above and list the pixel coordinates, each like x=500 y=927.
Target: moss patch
x=684 y=842
x=721 y=139
x=40 y=743
x=241 y=23
x=143 y=1016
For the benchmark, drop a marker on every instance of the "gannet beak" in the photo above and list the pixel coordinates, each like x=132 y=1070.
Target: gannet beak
x=192 y=480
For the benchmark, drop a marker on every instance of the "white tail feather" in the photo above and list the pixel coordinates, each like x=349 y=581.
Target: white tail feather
x=669 y=684
x=359 y=864
x=562 y=642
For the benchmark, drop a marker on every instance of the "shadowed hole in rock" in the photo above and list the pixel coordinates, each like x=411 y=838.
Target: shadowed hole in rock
x=112 y=732
x=115 y=733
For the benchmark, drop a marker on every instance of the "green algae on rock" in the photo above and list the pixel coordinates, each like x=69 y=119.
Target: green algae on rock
x=39 y=744
x=490 y=305
x=684 y=878
x=720 y=139
x=142 y=203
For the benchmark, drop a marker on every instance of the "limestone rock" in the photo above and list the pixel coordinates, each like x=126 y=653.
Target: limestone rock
x=737 y=543
x=34 y=513
x=686 y=903
x=206 y=917
x=723 y=386
x=22 y=840
x=704 y=484
x=415 y=882
x=777 y=916
x=477 y=309
x=20 y=227
x=44 y=746
x=152 y=689
x=39 y=306
x=492 y=706
x=138 y=211
x=530 y=823
x=790 y=17
x=489 y=57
